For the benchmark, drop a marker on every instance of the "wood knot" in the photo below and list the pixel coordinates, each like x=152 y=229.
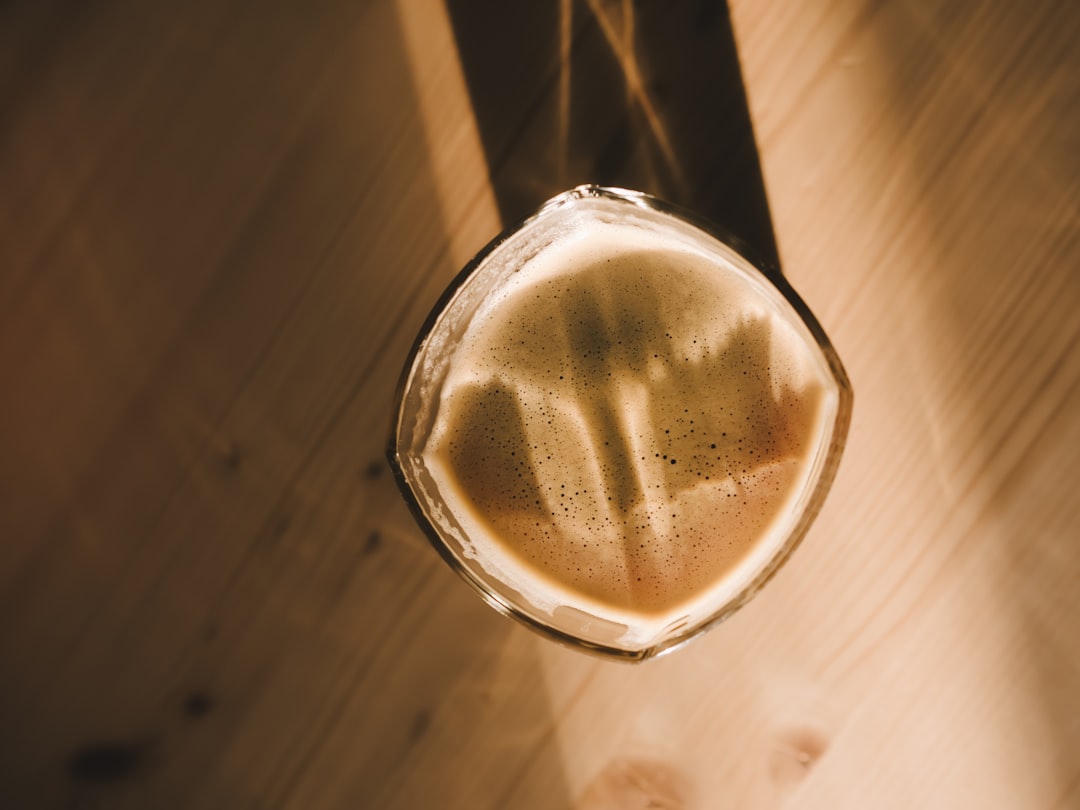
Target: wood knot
x=372 y=544
x=198 y=704
x=635 y=783
x=107 y=761
x=794 y=754
x=232 y=457
x=421 y=722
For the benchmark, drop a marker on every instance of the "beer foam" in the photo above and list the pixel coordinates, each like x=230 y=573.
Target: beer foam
x=626 y=426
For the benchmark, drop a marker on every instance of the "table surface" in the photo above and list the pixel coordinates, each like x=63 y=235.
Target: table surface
x=221 y=225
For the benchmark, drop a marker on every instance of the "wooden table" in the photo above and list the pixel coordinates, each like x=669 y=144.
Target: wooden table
x=221 y=224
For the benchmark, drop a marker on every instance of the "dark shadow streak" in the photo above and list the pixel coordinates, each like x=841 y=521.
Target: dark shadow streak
x=683 y=134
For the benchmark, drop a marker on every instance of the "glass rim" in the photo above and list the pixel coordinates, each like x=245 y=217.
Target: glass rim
x=818 y=490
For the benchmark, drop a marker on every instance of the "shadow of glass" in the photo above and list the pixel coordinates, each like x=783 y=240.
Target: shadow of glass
x=647 y=96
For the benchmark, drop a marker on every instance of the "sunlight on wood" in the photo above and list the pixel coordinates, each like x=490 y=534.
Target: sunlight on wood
x=457 y=156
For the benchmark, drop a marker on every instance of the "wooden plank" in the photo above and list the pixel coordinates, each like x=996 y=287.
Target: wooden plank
x=220 y=228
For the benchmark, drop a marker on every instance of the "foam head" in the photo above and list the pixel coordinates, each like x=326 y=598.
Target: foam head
x=626 y=421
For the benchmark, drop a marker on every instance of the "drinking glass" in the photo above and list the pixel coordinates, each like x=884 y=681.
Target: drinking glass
x=420 y=390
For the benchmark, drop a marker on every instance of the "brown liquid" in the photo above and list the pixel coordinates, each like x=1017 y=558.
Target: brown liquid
x=627 y=424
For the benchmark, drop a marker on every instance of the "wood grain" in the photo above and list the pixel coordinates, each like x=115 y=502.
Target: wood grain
x=221 y=225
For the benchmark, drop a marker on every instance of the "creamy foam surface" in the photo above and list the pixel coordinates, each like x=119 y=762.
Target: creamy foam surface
x=625 y=427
